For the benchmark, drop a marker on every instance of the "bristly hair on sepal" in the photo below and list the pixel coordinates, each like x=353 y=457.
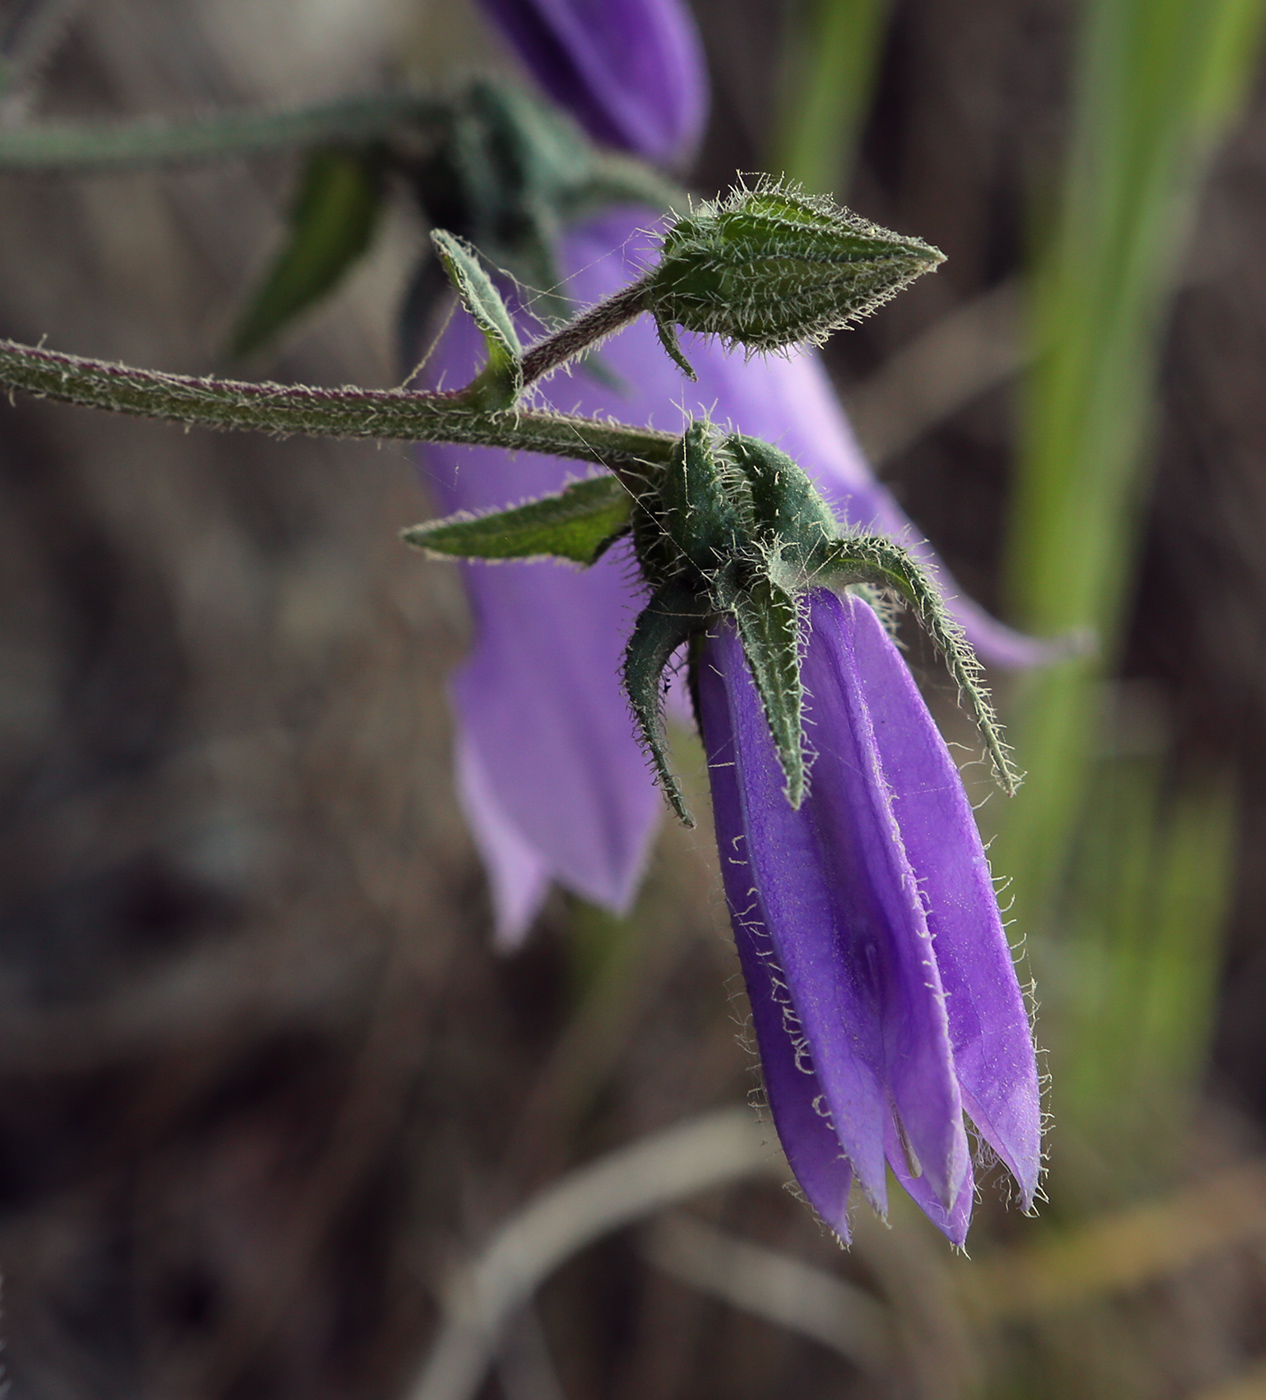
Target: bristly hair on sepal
x=730 y=528
x=735 y=529
x=772 y=266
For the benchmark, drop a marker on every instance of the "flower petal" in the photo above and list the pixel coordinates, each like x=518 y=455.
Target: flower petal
x=862 y=840
x=989 y=1025
x=539 y=698
x=795 y=1095
x=630 y=71
x=952 y=1223
x=840 y=907
x=782 y=895
x=519 y=876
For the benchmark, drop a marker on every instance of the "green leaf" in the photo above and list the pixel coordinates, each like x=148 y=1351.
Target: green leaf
x=768 y=627
x=332 y=222
x=500 y=382
x=577 y=524
x=674 y=612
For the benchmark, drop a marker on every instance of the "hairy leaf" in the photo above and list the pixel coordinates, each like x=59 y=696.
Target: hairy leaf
x=500 y=383
x=577 y=524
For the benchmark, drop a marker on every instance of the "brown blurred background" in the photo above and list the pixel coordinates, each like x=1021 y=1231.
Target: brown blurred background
x=262 y=1079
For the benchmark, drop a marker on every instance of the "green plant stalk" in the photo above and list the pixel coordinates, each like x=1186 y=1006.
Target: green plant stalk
x=1159 y=83
x=830 y=76
x=93 y=149
x=384 y=414
x=1128 y=990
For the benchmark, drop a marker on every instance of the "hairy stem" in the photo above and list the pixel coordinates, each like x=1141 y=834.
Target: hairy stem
x=385 y=414
x=588 y=330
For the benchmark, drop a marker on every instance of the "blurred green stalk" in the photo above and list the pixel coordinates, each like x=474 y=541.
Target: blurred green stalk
x=1131 y=988
x=1121 y=866
x=831 y=66
x=1158 y=84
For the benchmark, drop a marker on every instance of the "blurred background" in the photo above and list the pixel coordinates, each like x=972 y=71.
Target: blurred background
x=265 y=1089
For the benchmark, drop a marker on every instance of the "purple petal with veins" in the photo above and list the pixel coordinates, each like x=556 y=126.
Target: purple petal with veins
x=868 y=927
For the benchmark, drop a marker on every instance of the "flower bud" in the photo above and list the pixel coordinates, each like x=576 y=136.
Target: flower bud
x=773 y=266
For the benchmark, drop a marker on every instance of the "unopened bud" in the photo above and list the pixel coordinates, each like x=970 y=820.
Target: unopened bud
x=773 y=266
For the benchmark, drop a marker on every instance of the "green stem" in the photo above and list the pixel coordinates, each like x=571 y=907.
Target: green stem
x=384 y=414
x=587 y=331
x=84 y=150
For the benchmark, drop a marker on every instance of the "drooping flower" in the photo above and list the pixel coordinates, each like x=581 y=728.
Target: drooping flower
x=883 y=996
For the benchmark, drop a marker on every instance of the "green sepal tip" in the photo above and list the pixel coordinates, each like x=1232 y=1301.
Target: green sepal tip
x=873 y=560
x=667 y=334
x=674 y=613
x=768 y=622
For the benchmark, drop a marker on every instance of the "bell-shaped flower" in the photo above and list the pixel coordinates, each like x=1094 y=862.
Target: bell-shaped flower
x=884 y=1000
x=883 y=995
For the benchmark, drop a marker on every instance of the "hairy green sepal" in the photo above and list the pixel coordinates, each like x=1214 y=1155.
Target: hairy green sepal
x=736 y=530
x=730 y=528
x=578 y=524
x=674 y=614
x=767 y=619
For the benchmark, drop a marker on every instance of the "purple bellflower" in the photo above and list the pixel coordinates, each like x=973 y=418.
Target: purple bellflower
x=883 y=995
x=576 y=805
x=884 y=1000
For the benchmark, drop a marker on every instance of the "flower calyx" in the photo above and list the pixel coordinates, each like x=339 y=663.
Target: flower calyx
x=730 y=529
x=736 y=530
